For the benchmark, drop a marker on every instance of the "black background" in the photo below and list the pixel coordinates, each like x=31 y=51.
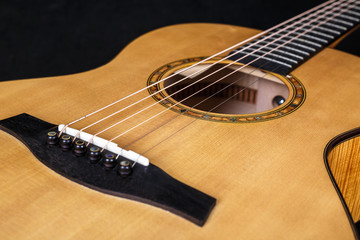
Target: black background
x=48 y=38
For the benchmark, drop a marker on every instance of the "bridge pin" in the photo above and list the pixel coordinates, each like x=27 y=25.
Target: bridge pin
x=124 y=168
x=79 y=148
x=65 y=142
x=52 y=138
x=94 y=154
x=109 y=161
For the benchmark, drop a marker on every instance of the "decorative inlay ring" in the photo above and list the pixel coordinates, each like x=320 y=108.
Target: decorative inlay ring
x=296 y=98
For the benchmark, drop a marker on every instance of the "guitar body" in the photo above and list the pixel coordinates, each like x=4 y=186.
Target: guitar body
x=269 y=178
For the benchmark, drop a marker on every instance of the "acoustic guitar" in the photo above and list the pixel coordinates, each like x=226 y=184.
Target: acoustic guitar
x=194 y=131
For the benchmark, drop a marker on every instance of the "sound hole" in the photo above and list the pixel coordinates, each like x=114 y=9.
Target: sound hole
x=227 y=91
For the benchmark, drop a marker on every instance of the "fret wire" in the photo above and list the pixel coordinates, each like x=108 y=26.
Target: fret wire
x=334 y=25
x=343 y=22
x=353 y=13
x=273 y=54
x=290 y=48
x=314 y=38
x=307 y=41
x=355 y=7
x=322 y=34
x=297 y=44
x=283 y=52
x=350 y=18
x=269 y=59
x=329 y=30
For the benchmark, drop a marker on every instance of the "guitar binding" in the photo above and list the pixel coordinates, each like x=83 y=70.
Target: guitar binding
x=146 y=184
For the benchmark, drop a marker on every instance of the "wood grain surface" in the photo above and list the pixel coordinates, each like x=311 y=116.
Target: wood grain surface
x=344 y=162
x=269 y=178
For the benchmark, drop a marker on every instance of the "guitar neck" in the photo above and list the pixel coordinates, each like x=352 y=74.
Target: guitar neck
x=286 y=47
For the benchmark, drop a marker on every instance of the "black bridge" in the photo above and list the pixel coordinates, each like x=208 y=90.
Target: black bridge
x=147 y=184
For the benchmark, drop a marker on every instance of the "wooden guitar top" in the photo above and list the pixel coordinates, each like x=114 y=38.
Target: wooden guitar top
x=269 y=178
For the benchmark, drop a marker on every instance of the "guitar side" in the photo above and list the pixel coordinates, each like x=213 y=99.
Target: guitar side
x=269 y=178
x=342 y=157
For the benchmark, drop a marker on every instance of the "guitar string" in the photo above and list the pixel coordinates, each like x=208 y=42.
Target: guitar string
x=202 y=61
x=204 y=100
x=125 y=132
x=155 y=103
x=193 y=120
x=123 y=109
x=305 y=32
x=234 y=53
x=189 y=96
x=188 y=124
x=192 y=107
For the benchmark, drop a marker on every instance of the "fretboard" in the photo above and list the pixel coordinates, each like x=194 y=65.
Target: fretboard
x=283 y=49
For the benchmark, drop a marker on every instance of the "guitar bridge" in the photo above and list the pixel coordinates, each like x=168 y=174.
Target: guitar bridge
x=148 y=184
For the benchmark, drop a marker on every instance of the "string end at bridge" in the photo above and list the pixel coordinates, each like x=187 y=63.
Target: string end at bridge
x=103 y=143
